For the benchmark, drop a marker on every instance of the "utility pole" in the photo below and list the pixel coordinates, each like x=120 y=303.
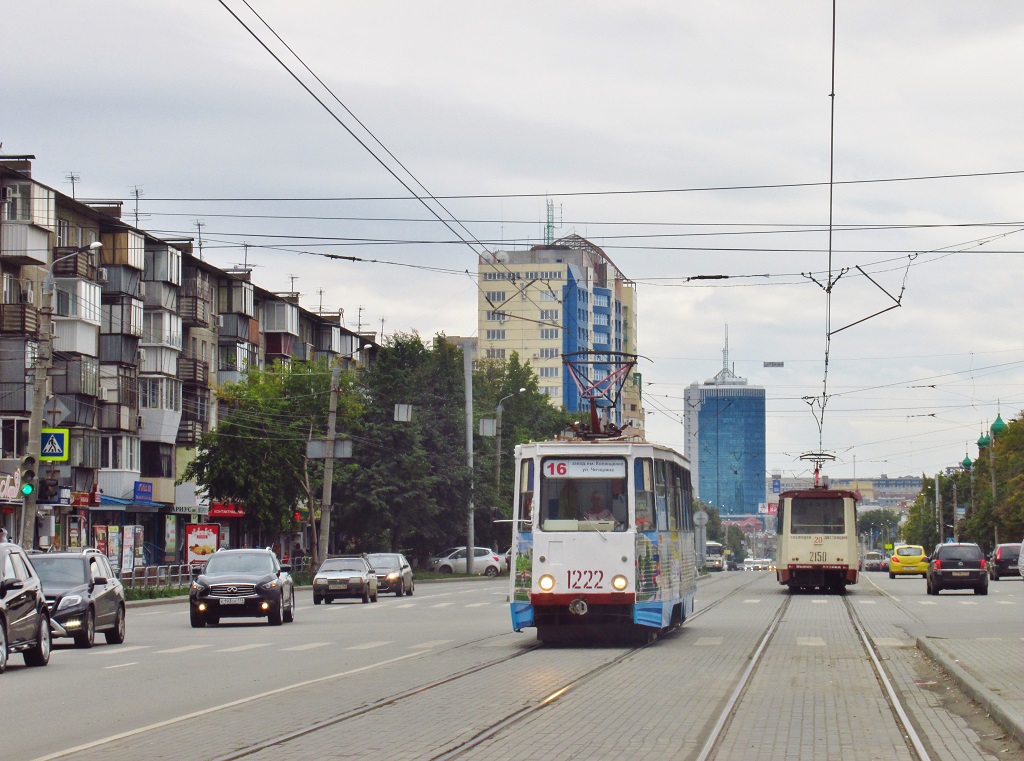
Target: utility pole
x=325 y=499
x=467 y=372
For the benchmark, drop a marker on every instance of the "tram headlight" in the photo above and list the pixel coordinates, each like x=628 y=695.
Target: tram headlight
x=619 y=583
x=546 y=583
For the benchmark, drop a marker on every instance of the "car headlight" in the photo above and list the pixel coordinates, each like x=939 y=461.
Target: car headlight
x=198 y=586
x=393 y=576
x=619 y=583
x=546 y=583
x=69 y=601
x=319 y=581
x=272 y=584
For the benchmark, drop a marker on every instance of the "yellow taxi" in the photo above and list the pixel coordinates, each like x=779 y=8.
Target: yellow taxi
x=908 y=559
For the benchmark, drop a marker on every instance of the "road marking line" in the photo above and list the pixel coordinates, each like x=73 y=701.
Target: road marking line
x=118 y=650
x=810 y=642
x=406 y=605
x=213 y=709
x=820 y=602
x=242 y=648
x=708 y=642
x=442 y=605
x=151 y=613
x=751 y=601
x=968 y=602
x=429 y=645
x=1005 y=602
x=926 y=602
x=184 y=649
x=474 y=605
x=867 y=602
x=307 y=646
x=369 y=645
x=121 y=665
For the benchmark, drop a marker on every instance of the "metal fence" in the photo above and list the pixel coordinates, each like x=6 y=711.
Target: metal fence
x=180 y=575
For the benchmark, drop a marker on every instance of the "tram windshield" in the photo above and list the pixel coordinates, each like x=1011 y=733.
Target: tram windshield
x=818 y=515
x=578 y=494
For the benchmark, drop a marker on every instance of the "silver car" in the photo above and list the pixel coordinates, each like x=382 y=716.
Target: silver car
x=453 y=560
x=341 y=577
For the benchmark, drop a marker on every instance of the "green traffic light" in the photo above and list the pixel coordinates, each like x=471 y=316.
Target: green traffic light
x=27 y=489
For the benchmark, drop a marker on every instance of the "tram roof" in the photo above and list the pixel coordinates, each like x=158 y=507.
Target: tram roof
x=818 y=494
x=586 y=448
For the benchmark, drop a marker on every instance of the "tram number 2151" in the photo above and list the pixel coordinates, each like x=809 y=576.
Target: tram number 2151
x=585 y=579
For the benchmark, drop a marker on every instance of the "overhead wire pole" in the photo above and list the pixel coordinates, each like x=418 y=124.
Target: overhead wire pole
x=325 y=497
x=467 y=371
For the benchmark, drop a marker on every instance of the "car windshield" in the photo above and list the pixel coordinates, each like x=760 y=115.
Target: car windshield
x=340 y=564
x=384 y=561
x=960 y=553
x=240 y=563
x=58 y=571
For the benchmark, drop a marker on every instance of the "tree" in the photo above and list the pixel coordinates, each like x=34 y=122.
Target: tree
x=734 y=541
x=880 y=526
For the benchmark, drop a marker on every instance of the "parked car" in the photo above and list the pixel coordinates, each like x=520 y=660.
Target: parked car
x=24 y=617
x=957 y=565
x=907 y=560
x=83 y=594
x=453 y=560
x=1004 y=561
x=347 y=576
x=394 y=574
x=240 y=583
x=874 y=561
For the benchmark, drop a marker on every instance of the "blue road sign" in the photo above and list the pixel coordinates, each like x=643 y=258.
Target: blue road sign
x=53 y=446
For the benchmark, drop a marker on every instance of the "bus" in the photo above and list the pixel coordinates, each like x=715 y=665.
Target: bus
x=714 y=557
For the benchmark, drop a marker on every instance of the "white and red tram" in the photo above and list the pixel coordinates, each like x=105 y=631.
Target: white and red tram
x=603 y=540
x=817 y=539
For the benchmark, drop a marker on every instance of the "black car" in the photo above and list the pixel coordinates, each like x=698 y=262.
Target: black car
x=24 y=617
x=957 y=565
x=1003 y=561
x=83 y=594
x=242 y=583
x=394 y=574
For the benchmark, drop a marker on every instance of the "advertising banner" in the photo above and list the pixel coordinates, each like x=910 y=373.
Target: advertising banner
x=201 y=541
x=128 y=550
x=171 y=539
x=140 y=546
x=114 y=546
x=99 y=534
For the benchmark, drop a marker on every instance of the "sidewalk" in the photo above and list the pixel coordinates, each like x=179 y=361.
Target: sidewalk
x=990 y=670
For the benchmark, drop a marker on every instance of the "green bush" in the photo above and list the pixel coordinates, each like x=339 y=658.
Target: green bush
x=153 y=593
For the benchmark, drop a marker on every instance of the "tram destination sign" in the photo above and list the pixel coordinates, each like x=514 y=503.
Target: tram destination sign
x=574 y=467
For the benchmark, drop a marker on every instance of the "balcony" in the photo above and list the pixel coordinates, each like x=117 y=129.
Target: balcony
x=21 y=319
x=189 y=432
x=194 y=311
x=194 y=372
x=68 y=263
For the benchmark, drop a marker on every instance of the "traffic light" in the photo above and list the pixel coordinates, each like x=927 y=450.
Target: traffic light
x=298 y=516
x=28 y=475
x=48 y=489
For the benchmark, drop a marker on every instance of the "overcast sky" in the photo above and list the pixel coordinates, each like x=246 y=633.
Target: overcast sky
x=721 y=108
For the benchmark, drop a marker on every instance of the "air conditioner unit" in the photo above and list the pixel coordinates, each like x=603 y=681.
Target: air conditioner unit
x=141 y=423
x=220 y=321
x=142 y=356
x=6 y=193
x=142 y=290
x=28 y=296
x=101 y=275
x=103 y=395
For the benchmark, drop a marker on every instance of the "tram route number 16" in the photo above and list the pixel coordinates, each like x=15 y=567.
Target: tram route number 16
x=557 y=468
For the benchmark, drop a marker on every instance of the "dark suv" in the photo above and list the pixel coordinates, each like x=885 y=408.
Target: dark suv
x=394 y=574
x=24 y=617
x=240 y=583
x=1003 y=561
x=83 y=594
x=957 y=566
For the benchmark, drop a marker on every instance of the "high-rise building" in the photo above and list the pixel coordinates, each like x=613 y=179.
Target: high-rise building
x=725 y=441
x=556 y=299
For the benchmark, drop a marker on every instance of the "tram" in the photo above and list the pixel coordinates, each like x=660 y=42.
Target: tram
x=817 y=538
x=603 y=540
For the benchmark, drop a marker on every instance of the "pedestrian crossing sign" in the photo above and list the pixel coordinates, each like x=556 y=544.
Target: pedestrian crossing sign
x=54 y=445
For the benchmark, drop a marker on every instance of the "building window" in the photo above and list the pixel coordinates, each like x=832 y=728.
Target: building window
x=119 y=453
x=546 y=334
x=601 y=319
x=549 y=372
x=497 y=316
x=495 y=354
x=160 y=393
x=551 y=390
x=548 y=296
x=13 y=436
x=495 y=335
x=549 y=353
x=157 y=460
x=601 y=300
x=549 y=314
x=494 y=296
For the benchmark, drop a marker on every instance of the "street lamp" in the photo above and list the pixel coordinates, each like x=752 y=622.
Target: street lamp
x=40 y=372
x=497 y=440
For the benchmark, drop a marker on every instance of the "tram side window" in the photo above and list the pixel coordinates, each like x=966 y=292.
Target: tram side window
x=661 y=487
x=817 y=516
x=526 y=493
x=643 y=492
x=687 y=501
x=675 y=515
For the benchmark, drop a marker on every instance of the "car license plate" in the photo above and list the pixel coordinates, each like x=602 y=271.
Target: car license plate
x=337 y=584
x=961 y=573
x=232 y=601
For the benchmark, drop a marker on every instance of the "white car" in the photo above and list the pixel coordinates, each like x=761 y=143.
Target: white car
x=453 y=560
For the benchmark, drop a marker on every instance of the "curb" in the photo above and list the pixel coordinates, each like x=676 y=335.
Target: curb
x=1010 y=720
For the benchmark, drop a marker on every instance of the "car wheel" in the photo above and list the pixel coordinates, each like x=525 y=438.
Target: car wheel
x=274 y=617
x=366 y=595
x=400 y=589
x=115 y=636
x=289 y=615
x=39 y=654
x=3 y=646
x=317 y=599
x=995 y=576
x=196 y=619
x=412 y=588
x=87 y=635
x=445 y=569
x=892 y=575
x=491 y=571
x=982 y=590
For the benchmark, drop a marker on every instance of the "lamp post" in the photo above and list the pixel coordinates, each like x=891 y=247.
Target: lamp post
x=39 y=377
x=497 y=439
